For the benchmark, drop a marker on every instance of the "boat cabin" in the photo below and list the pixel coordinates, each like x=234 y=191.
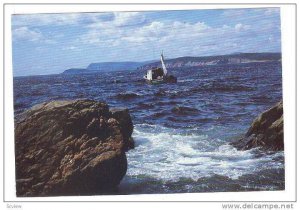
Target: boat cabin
x=155 y=73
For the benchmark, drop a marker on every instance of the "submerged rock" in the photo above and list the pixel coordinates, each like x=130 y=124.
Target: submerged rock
x=71 y=148
x=265 y=132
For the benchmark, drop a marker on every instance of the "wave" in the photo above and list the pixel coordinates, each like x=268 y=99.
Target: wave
x=184 y=110
x=221 y=88
x=142 y=105
x=261 y=98
x=169 y=154
x=206 y=87
x=160 y=92
x=19 y=105
x=38 y=91
x=187 y=80
x=127 y=96
x=163 y=103
x=159 y=114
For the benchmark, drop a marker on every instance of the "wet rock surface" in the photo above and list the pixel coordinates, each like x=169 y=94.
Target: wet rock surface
x=266 y=131
x=71 y=148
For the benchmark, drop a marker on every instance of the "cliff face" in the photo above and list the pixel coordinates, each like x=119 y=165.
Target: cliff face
x=75 y=71
x=71 y=148
x=216 y=60
x=113 y=66
x=266 y=131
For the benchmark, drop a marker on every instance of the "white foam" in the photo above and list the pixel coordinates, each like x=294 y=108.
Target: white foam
x=168 y=154
x=186 y=80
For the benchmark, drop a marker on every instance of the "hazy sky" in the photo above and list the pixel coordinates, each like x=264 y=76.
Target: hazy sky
x=51 y=43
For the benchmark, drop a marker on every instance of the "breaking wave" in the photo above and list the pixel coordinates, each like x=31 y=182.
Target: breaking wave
x=167 y=154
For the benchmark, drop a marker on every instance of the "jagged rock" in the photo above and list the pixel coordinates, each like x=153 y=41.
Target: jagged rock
x=265 y=132
x=123 y=117
x=71 y=148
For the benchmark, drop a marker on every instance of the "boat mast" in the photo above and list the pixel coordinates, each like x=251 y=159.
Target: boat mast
x=163 y=64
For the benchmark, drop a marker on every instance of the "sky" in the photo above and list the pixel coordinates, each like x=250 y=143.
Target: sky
x=51 y=43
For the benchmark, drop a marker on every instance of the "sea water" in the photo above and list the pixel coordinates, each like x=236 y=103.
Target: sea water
x=182 y=131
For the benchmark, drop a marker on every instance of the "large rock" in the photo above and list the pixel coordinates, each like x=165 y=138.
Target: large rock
x=265 y=132
x=71 y=148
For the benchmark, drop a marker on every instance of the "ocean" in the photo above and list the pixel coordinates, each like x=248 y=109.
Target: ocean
x=182 y=131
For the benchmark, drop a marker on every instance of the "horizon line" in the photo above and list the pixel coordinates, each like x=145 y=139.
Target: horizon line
x=236 y=53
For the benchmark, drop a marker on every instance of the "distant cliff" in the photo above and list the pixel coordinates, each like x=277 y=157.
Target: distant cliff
x=216 y=60
x=75 y=71
x=106 y=66
x=178 y=62
x=114 y=66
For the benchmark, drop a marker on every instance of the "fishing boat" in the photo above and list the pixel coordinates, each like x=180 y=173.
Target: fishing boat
x=159 y=75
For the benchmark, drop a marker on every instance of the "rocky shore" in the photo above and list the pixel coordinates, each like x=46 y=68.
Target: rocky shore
x=71 y=148
x=266 y=131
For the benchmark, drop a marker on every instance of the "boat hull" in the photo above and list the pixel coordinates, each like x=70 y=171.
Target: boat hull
x=155 y=81
x=169 y=79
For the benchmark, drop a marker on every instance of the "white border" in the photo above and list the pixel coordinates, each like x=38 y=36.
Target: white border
x=288 y=52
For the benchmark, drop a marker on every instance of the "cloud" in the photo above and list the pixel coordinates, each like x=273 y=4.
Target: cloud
x=119 y=19
x=234 y=13
x=90 y=19
x=159 y=31
x=59 y=19
x=70 y=48
x=32 y=35
x=44 y=19
x=148 y=32
x=24 y=33
x=99 y=35
x=128 y=18
x=111 y=34
x=179 y=38
x=241 y=27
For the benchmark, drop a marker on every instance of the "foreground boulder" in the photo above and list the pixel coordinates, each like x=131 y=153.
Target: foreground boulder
x=265 y=132
x=71 y=148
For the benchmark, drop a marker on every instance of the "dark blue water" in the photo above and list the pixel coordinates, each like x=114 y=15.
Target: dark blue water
x=181 y=130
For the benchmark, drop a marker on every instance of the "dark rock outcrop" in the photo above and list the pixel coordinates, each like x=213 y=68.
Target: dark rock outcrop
x=265 y=132
x=71 y=148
